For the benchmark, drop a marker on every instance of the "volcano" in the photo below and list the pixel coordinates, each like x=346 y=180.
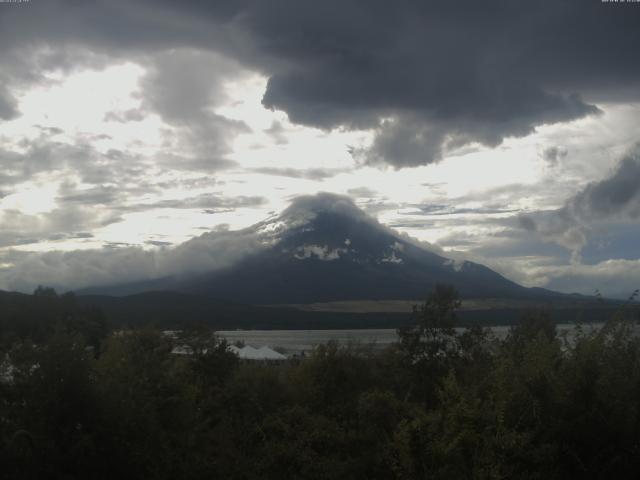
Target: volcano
x=324 y=248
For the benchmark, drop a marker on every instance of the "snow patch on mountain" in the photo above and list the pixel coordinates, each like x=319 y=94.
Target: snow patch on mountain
x=320 y=252
x=391 y=258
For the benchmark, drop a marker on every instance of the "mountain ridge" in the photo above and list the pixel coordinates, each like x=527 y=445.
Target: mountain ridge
x=324 y=248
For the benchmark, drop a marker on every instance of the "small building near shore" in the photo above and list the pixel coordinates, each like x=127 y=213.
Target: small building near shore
x=262 y=354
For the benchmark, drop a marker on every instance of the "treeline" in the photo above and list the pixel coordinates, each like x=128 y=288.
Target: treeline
x=438 y=404
x=36 y=317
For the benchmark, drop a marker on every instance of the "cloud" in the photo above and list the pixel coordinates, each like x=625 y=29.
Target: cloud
x=404 y=142
x=119 y=200
x=446 y=210
x=613 y=278
x=158 y=243
x=69 y=270
x=131 y=115
x=95 y=189
x=515 y=253
x=527 y=223
x=119 y=263
x=195 y=137
x=97 y=195
x=309 y=173
x=553 y=155
x=8 y=105
x=43 y=155
x=306 y=207
x=188 y=102
x=209 y=201
x=362 y=192
x=617 y=196
x=615 y=199
x=425 y=76
x=68 y=222
x=277 y=132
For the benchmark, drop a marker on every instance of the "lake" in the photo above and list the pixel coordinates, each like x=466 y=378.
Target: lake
x=296 y=341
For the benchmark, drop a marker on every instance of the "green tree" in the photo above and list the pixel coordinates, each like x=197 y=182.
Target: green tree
x=429 y=347
x=52 y=407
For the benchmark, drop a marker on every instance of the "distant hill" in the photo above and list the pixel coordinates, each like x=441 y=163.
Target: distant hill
x=174 y=310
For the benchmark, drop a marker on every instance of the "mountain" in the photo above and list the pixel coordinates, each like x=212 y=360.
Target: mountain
x=323 y=248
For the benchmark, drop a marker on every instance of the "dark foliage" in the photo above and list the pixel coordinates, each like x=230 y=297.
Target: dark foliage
x=78 y=403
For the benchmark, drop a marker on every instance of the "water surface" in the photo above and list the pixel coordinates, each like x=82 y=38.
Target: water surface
x=297 y=341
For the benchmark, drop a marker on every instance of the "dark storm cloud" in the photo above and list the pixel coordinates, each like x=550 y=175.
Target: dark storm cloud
x=430 y=75
x=426 y=76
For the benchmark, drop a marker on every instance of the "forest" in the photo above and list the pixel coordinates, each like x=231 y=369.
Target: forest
x=80 y=400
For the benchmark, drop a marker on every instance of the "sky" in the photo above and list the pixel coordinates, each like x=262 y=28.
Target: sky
x=136 y=135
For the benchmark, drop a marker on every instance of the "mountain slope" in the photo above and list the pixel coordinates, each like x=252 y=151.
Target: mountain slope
x=323 y=248
x=338 y=257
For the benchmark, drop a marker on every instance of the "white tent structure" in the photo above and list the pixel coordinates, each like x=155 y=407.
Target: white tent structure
x=263 y=353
